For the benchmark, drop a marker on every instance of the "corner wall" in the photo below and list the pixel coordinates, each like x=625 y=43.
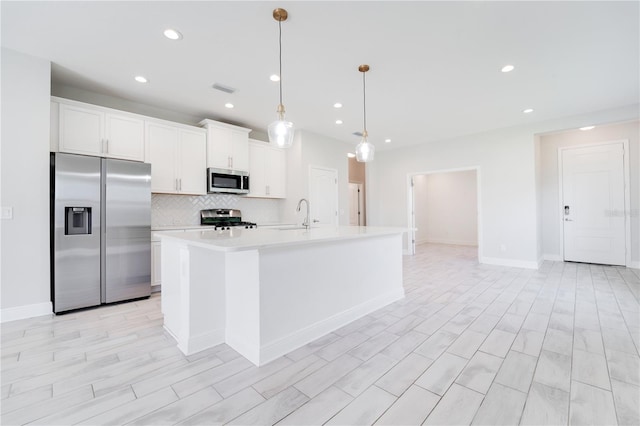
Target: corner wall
x=24 y=165
x=508 y=226
x=310 y=149
x=549 y=145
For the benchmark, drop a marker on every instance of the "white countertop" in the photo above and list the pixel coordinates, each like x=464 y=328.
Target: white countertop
x=203 y=227
x=249 y=239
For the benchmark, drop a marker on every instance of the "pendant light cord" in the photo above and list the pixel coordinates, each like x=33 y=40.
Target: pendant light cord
x=364 y=99
x=280 y=55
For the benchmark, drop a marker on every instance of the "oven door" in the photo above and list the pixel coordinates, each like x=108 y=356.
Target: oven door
x=229 y=181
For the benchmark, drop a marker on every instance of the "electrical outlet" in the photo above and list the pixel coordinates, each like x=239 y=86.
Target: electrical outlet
x=7 y=213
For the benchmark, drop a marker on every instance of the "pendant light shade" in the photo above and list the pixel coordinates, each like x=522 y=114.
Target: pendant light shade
x=364 y=150
x=281 y=131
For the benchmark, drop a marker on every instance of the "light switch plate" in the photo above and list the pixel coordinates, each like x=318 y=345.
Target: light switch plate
x=6 y=213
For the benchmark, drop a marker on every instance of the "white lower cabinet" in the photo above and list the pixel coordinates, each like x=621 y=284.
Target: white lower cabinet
x=267 y=171
x=178 y=159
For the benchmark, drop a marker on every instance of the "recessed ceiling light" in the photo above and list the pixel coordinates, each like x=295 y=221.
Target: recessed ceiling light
x=228 y=105
x=337 y=105
x=527 y=111
x=351 y=155
x=141 y=79
x=387 y=141
x=172 y=34
x=507 y=68
x=338 y=121
x=274 y=77
x=587 y=128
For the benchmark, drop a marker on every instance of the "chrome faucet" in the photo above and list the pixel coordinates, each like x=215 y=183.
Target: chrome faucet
x=306 y=220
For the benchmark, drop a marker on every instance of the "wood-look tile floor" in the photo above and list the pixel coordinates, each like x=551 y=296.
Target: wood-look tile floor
x=469 y=344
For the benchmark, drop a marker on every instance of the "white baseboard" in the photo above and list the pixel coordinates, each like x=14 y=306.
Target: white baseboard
x=450 y=242
x=198 y=343
x=26 y=311
x=286 y=344
x=202 y=341
x=244 y=348
x=513 y=263
x=552 y=257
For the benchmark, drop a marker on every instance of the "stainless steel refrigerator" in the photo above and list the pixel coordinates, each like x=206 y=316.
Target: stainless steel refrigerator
x=100 y=231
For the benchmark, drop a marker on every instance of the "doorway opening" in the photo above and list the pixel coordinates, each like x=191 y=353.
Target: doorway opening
x=444 y=208
x=357 y=193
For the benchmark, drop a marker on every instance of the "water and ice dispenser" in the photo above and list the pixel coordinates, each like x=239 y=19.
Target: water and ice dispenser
x=77 y=220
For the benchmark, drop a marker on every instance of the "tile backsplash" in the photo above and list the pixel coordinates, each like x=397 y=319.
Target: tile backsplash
x=168 y=210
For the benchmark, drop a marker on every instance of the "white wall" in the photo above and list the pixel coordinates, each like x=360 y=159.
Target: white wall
x=506 y=160
x=446 y=208
x=24 y=276
x=310 y=149
x=549 y=145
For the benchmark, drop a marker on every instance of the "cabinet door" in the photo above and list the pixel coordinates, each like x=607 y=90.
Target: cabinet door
x=276 y=173
x=219 y=144
x=81 y=130
x=257 y=181
x=193 y=165
x=124 y=137
x=163 y=141
x=239 y=151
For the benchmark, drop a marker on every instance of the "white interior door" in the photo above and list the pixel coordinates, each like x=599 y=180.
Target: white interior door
x=356 y=204
x=323 y=195
x=593 y=204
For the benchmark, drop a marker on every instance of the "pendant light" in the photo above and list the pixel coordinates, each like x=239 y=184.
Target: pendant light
x=280 y=131
x=364 y=150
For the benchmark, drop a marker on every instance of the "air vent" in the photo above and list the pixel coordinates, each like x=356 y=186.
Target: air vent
x=359 y=134
x=225 y=89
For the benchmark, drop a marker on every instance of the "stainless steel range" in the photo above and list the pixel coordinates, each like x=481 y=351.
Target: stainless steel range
x=224 y=219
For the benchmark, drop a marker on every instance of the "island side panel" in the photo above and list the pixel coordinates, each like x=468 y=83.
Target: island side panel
x=307 y=291
x=206 y=293
x=193 y=296
x=243 y=303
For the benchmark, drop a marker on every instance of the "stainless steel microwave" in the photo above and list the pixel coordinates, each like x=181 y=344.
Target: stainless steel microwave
x=227 y=181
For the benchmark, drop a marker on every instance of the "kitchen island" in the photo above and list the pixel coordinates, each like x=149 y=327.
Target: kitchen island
x=266 y=292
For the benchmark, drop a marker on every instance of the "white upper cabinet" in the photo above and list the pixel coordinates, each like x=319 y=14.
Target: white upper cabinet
x=91 y=130
x=227 y=145
x=267 y=171
x=81 y=130
x=124 y=137
x=178 y=158
x=193 y=166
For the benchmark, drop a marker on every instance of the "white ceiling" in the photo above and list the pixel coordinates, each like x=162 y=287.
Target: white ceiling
x=435 y=66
